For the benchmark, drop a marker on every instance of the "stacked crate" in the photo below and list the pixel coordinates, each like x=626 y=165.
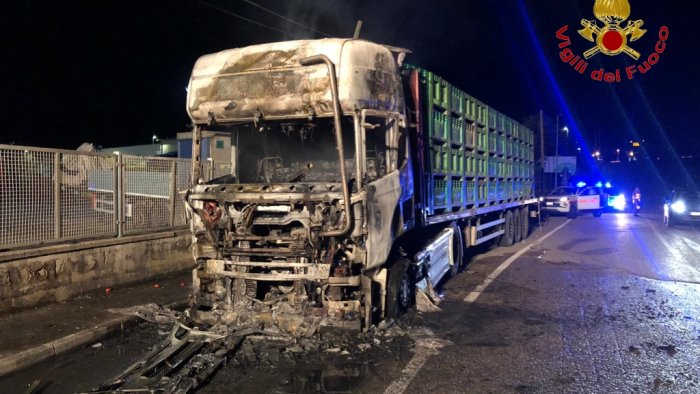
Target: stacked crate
x=476 y=156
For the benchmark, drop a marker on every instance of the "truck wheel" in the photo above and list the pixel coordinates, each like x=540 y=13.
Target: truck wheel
x=507 y=237
x=400 y=289
x=598 y=213
x=457 y=250
x=517 y=226
x=525 y=221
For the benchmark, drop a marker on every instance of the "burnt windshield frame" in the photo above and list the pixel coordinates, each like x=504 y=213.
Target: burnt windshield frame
x=289 y=151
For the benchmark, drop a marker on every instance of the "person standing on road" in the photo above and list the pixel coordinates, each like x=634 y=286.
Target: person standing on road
x=637 y=200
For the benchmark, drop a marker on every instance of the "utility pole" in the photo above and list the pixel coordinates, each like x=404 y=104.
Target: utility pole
x=542 y=189
x=556 y=155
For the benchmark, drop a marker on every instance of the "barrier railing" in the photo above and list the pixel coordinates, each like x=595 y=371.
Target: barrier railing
x=53 y=195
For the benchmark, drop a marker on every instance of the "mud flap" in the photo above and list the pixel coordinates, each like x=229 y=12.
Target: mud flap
x=427 y=300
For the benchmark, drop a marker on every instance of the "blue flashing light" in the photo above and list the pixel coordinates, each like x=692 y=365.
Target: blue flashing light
x=581 y=184
x=599 y=184
x=608 y=185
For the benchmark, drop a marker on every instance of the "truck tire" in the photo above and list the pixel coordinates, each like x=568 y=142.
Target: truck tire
x=400 y=289
x=457 y=250
x=507 y=237
x=517 y=226
x=598 y=213
x=525 y=221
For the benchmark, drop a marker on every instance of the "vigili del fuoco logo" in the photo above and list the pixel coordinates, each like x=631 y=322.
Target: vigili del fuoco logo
x=611 y=39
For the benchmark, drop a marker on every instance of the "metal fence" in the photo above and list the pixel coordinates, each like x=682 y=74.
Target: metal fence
x=51 y=195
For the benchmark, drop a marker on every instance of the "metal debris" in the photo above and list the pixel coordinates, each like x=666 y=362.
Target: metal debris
x=150 y=312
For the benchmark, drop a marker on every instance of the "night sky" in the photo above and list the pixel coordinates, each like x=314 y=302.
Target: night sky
x=114 y=72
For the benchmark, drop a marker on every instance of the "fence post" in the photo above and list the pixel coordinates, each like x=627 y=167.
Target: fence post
x=173 y=191
x=119 y=193
x=57 y=180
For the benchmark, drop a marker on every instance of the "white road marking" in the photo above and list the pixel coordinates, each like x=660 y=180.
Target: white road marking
x=692 y=244
x=428 y=346
x=471 y=297
x=688 y=271
x=425 y=348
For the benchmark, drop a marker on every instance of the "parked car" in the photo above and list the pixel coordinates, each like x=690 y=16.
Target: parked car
x=571 y=200
x=682 y=207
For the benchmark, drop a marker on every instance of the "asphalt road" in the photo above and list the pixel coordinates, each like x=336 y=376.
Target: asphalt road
x=601 y=305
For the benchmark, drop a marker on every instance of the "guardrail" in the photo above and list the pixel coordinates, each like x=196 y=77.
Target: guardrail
x=52 y=195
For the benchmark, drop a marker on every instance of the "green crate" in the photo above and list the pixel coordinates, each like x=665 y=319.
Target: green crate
x=469 y=133
x=493 y=120
x=505 y=190
x=503 y=144
x=439 y=127
x=492 y=190
x=457 y=192
x=481 y=113
x=469 y=108
x=470 y=196
x=516 y=130
x=508 y=168
x=492 y=167
x=469 y=164
x=440 y=192
x=482 y=139
x=481 y=165
x=482 y=191
x=517 y=188
x=457 y=131
x=456 y=100
x=440 y=161
x=439 y=90
x=493 y=142
x=457 y=162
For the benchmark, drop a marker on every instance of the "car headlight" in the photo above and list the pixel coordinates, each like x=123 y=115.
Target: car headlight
x=564 y=199
x=678 y=207
x=618 y=202
x=541 y=199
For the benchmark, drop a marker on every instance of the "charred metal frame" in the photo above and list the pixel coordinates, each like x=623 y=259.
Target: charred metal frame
x=310 y=61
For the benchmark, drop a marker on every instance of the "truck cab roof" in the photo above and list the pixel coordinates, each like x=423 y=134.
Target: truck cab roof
x=267 y=80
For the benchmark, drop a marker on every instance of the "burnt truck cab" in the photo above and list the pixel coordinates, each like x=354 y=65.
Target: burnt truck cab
x=320 y=186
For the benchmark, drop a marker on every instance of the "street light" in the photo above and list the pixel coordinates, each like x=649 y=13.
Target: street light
x=618 y=154
x=154 y=139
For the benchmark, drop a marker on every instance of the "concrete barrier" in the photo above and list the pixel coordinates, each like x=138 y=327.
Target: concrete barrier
x=34 y=277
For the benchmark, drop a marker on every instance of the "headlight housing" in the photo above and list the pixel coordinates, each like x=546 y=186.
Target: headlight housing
x=678 y=206
x=564 y=199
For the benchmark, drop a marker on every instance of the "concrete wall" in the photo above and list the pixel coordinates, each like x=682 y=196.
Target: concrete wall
x=56 y=273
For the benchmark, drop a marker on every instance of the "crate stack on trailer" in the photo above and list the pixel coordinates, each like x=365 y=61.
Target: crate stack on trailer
x=475 y=155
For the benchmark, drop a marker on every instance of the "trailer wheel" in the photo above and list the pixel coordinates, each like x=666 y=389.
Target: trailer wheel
x=507 y=237
x=400 y=289
x=457 y=250
x=517 y=226
x=525 y=221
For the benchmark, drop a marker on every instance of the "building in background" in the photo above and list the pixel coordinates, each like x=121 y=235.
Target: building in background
x=216 y=149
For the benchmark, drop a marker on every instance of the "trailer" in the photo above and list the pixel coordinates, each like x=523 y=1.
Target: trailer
x=357 y=184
